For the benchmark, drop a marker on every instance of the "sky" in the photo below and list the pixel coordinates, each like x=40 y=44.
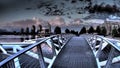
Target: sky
x=14 y=10
x=54 y=11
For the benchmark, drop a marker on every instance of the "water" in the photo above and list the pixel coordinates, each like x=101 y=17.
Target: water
x=15 y=38
x=47 y=51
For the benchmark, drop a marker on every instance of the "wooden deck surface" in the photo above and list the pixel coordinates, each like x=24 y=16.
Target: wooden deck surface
x=76 y=54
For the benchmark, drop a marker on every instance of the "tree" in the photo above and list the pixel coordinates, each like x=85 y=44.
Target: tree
x=49 y=26
x=119 y=29
x=33 y=30
x=27 y=31
x=46 y=31
x=103 y=31
x=98 y=30
x=22 y=30
x=83 y=30
x=114 y=32
x=91 y=30
x=67 y=31
x=74 y=32
x=57 y=30
x=14 y=32
x=40 y=28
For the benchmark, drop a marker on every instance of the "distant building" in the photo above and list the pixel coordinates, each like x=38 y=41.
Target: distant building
x=46 y=30
x=111 y=22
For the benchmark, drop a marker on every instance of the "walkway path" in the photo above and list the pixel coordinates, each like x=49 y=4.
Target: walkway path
x=76 y=54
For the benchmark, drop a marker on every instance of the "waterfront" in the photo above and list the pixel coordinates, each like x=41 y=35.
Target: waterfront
x=15 y=38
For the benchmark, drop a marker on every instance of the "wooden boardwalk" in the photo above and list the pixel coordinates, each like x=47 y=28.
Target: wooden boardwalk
x=75 y=54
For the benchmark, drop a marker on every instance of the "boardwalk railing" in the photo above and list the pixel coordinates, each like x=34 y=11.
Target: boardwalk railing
x=40 y=54
x=106 y=51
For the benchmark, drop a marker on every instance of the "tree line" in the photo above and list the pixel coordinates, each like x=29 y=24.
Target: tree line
x=116 y=32
x=99 y=30
x=24 y=31
x=32 y=31
x=57 y=30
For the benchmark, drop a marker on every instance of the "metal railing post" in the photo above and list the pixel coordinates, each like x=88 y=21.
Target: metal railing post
x=99 y=50
x=16 y=60
x=38 y=57
x=61 y=38
x=94 y=43
x=59 y=42
x=41 y=59
x=110 y=58
x=53 y=47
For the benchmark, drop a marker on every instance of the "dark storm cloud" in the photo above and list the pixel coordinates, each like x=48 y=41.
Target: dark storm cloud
x=22 y=9
x=1 y=7
x=6 y=5
x=46 y=7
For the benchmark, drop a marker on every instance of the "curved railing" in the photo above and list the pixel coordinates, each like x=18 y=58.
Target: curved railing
x=106 y=51
x=40 y=54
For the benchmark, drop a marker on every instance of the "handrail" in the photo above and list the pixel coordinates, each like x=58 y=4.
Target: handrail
x=3 y=50
x=99 y=47
x=39 y=56
x=108 y=42
x=21 y=52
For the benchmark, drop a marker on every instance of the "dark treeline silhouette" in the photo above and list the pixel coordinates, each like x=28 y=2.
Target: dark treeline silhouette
x=31 y=30
x=23 y=31
x=67 y=31
x=91 y=30
x=116 y=32
x=40 y=29
x=37 y=31
x=99 y=30
x=57 y=30
x=103 y=31
x=83 y=30
x=74 y=32
x=27 y=31
x=8 y=33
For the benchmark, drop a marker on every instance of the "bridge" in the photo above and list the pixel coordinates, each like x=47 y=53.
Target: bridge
x=62 y=51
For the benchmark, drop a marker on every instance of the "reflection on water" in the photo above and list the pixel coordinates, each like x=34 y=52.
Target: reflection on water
x=28 y=37
x=16 y=38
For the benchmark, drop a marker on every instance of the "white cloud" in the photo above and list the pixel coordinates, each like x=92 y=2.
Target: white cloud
x=57 y=21
x=97 y=21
